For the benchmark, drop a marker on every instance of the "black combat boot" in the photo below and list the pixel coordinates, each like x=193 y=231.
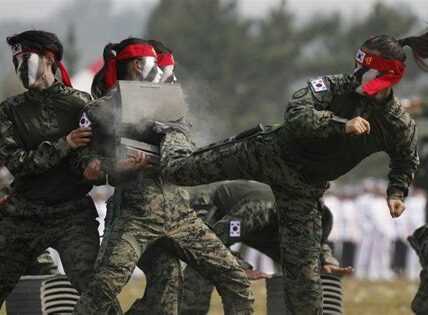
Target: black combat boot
x=419 y=242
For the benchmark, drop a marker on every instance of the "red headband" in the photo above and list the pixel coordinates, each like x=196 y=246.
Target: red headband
x=368 y=60
x=165 y=59
x=65 y=76
x=138 y=50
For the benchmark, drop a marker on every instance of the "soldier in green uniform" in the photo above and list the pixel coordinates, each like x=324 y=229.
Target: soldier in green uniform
x=48 y=205
x=245 y=211
x=241 y=211
x=152 y=209
x=329 y=127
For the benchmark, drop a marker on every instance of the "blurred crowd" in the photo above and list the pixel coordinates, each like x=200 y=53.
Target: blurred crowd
x=365 y=236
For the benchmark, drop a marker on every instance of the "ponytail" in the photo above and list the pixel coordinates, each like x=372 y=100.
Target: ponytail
x=419 y=46
x=98 y=88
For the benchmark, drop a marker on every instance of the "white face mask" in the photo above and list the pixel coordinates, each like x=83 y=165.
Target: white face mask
x=369 y=75
x=151 y=72
x=168 y=74
x=29 y=68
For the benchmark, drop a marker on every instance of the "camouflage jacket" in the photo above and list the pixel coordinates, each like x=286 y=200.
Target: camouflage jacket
x=226 y=196
x=99 y=115
x=314 y=124
x=103 y=116
x=33 y=147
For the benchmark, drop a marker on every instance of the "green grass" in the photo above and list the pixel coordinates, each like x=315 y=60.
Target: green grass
x=361 y=297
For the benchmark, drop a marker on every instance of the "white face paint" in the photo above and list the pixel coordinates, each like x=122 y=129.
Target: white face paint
x=151 y=72
x=369 y=75
x=168 y=74
x=29 y=68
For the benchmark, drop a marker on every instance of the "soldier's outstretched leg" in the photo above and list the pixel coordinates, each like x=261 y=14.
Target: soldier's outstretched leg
x=419 y=241
x=251 y=158
x=261 y=157
x=162 y=295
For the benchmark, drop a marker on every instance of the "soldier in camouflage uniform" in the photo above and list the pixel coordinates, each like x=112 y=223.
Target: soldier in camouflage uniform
x=152 y=209
x=48 y=206
x=329 y=127
x=419 y=241
x=252 y=204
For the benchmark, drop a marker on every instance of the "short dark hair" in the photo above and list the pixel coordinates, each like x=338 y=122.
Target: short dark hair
x=38 y=40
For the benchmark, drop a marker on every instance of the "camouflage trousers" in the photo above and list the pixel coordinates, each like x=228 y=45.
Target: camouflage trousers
x=259 y=229
x=261 y=157
x=419 y=242
x=152 y=211
x=164 y=282
x=71 y=229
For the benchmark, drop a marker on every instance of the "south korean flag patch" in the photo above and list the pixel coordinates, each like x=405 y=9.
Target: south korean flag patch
x=235 y=228
x=84 y=121
x=318 y=85
x=16 y=49
x=360 y=56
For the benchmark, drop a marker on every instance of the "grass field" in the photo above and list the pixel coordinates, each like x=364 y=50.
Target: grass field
x=361 y=297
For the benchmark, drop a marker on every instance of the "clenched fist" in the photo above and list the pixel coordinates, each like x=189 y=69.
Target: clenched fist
x=357 y=126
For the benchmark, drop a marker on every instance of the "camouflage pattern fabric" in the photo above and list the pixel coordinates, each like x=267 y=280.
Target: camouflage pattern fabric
x=153 y=210
x=164 y=212
x=164 y=278
x=281 y=157
x=164 y=283
x=419 y=241
x=73 y=235
x=254 y=205
x=297 y=201
x=48 y=206
x=33 y=145
x=42 y=265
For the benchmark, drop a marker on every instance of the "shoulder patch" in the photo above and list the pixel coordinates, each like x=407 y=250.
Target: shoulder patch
x=321 y=89
x=300 y=93
x=84 y=121
x=319 y=85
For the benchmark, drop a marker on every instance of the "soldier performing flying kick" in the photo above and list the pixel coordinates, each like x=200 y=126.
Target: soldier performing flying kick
x=329 y=126
x=241 y=211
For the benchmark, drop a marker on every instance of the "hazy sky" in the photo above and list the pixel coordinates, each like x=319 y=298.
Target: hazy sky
x=39 y=9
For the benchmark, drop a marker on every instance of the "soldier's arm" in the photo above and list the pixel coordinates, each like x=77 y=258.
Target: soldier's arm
x=22 y=162
x=306 y=114
x=327 y=257
x=404 y=158
x=330 y=264
x=97 y=149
